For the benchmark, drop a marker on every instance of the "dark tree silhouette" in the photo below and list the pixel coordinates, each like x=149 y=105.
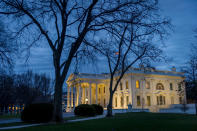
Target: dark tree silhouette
x=191 y=74
x=7 y=48
x=23 y=88
x=132 y=42
x=65 y=25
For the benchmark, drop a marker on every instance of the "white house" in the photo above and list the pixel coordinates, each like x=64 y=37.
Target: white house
x=144 y=88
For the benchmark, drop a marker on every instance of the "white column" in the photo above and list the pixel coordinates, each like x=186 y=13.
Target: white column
x=68 y=97
x=83 y=95
x=133 y=88
x=96 y=94
x=130 y=90
x=72 y=96
x=90 y=94
x=79 y=98
x=85 y=89
x=75 y=104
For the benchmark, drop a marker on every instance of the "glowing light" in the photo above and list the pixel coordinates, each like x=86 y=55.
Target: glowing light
x=137 y=84
x=86 y=99
x=117 y=53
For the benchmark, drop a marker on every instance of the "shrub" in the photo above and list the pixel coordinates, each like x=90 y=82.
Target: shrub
x=98 y=108
x=40 y=112
x=85 y=110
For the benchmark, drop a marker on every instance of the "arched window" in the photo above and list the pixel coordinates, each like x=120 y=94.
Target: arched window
x=137 y=84
x=159 y=86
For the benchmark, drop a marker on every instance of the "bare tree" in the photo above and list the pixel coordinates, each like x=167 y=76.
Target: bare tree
x=132 y=42
x=64 y=25
x=190 y=71
x=7 y=48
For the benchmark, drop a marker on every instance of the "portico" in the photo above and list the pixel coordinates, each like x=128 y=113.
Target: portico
x=86 y=92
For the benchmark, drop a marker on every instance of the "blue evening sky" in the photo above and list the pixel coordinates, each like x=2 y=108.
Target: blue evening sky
x=183 y=14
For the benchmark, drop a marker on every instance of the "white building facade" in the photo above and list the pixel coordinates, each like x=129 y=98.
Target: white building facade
x=142 y=88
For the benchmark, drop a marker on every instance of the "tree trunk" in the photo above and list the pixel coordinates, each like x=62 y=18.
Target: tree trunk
x=58 y=101
x=109 y=106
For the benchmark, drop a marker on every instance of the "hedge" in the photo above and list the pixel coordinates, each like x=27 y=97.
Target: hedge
x=88 y=110
x=39 y=112
x=98 y=108
x=85 y=110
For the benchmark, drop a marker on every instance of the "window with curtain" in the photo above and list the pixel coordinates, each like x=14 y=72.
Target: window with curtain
x=137 y=84
x=138 y=101
x=127 y=85
x=171 y=86
x=161 y=100
x=148 y=101
x=147 y=85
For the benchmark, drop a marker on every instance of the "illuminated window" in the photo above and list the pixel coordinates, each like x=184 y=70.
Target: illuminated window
x=172 y=100
x=161 y=100
x=137 y=84
x=120 y=85
x=147 y=85
x=171 y=86
x=127 y=100
x=160 y=86
x=179 y=87
x=138 y=101
x=148 y=101
x=121 y=101
x=86 y=92
x=116 y=102
x=99 y=90
x=99 y=101
x=127 y=85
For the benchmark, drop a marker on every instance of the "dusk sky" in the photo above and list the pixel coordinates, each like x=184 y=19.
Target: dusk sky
x=183 y=15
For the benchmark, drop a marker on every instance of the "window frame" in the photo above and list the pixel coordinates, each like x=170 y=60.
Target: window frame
x=171 y=86
x=147 y=84
x=127 y=85
x=138 y=101
x=160 y=86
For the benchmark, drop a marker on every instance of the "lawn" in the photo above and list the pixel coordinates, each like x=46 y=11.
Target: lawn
x=128 y=121
x=9 y=116
x=13 y=124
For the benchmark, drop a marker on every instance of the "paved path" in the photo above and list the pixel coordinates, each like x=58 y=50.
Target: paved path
x=5 y=121
x=21 y=126
x=89 y=118
x=64 y=115
x=13 y=120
